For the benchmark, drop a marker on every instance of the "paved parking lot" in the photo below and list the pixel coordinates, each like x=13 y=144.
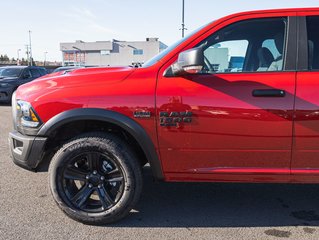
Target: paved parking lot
x=165 y=210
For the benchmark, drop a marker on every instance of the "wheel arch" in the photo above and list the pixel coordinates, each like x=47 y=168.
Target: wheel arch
x=115 y=118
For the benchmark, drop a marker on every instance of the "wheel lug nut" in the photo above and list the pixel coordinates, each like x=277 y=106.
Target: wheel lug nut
x=94 y=172
x=90 y=185
x=87 y=176
x=102 y=178
x=99 y=186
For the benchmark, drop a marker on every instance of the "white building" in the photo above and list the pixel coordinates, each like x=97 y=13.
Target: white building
x=109 y=53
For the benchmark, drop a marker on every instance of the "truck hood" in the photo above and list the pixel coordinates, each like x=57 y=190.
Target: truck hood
x=75 y=78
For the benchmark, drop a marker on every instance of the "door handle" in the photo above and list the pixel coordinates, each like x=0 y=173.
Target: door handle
x=268 y=93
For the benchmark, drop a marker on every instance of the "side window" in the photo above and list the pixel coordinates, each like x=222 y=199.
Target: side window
x=43 y=71
x=35 y=73
x=271 y=46
x=26 y=73
x=247 y=46
x=313 y=42
x=227 y=56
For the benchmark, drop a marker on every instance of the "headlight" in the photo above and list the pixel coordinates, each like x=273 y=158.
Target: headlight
x=26 y=116
x=4 y=85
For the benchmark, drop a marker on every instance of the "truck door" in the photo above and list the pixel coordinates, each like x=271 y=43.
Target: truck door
x=306 y=128
x=235 y=116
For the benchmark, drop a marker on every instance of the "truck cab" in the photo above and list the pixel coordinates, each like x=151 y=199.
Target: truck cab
x=235 y=101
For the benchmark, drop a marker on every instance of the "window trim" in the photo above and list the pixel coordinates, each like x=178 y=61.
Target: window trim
x=290 y=60
x=302 y=47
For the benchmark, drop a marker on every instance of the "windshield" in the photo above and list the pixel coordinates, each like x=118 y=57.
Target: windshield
x=162 y=54
x=10 y=72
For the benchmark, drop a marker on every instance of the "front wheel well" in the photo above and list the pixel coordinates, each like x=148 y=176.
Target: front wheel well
x=68 y=131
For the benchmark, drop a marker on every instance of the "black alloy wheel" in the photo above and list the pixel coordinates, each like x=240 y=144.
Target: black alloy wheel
x=95 y=178
x=92 y=182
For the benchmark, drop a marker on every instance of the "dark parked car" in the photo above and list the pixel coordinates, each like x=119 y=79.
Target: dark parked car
x=11 y=77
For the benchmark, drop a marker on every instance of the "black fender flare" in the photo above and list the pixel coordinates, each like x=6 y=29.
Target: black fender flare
x=108 y=116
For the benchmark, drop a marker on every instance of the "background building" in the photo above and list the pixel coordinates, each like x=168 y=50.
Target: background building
x=109 y=53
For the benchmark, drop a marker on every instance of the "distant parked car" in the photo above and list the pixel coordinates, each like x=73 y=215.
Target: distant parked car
x=11 y=77
x=60 y=69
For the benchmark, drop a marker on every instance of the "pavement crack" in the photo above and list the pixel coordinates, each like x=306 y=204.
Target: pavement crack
x=309 y=230
x=278 y=233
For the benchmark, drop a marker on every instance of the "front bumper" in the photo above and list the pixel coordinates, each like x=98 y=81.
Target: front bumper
x=26 y=151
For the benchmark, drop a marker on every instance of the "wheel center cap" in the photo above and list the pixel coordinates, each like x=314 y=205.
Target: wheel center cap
x=94 y=179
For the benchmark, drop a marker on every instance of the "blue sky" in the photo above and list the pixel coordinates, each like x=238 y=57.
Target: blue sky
x=52 y=22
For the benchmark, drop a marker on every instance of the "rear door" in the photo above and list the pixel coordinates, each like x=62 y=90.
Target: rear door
x=306 y=128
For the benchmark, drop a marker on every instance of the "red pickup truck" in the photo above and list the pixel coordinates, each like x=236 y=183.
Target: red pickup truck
x=236 y=101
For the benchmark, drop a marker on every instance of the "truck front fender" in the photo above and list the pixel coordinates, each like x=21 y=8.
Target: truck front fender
x=107 y=116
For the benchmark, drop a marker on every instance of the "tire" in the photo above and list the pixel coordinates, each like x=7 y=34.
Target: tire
x=95 y=179
x=8 y=101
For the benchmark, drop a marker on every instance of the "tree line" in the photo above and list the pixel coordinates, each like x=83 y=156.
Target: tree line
x=5 y=58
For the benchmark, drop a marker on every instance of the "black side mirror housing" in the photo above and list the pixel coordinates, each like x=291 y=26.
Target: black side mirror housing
x=189 y=62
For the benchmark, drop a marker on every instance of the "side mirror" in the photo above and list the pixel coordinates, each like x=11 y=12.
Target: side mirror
x=189 y=62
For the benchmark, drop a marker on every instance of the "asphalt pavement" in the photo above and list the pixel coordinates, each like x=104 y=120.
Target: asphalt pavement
x=165 y=210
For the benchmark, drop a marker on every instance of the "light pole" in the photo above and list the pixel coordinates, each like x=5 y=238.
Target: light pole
x=45 y=58
x=18 y=59
x=183 y=19
x=28 y=54
x=31 y=60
